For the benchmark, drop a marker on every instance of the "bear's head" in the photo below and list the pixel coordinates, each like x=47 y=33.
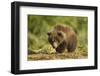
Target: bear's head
x=55 y=38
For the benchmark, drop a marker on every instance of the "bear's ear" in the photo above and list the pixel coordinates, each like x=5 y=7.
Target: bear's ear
x=59 y=33
x=48 y=33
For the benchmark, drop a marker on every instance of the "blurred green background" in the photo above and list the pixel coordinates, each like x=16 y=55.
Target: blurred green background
x=39 y=25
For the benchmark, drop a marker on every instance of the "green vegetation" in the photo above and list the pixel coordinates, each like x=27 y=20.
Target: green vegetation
x=38 y=45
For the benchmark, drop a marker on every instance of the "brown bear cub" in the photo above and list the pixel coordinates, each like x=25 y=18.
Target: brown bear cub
x=62 y=38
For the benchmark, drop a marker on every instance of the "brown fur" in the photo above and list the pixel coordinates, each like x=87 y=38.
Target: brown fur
x=63 y=37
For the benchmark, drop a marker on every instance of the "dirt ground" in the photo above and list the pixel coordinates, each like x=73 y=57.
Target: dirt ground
x=56 y=56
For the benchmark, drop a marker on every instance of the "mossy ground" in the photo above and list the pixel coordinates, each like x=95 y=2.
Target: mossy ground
x=79 y=53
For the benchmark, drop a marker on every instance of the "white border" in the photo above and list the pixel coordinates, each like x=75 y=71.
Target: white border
x=26 y=65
